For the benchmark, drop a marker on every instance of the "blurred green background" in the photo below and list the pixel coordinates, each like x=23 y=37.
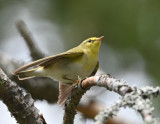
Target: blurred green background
x=130 y=49
x=129 y=26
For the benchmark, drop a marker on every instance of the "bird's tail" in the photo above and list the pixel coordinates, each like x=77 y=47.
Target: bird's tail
x=64 y=92
x=28 y=74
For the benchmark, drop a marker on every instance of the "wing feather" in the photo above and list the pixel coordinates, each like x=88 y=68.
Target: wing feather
x=47 y=60
x=95 y=69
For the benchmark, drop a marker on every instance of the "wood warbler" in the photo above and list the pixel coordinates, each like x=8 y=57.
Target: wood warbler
x=67 y=67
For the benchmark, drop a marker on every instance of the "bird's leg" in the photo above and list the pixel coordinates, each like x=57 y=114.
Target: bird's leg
x=77 y=81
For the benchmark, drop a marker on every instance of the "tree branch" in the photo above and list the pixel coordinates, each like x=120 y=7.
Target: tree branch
x=21 y=106
x=129 y=94
x=70 y=108
x=35 y=52
x=134 y=100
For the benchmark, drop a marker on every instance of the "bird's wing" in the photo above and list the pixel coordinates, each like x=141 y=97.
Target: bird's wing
x=95 y=69
x=48 y=60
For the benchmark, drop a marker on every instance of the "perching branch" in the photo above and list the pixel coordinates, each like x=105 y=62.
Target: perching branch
x=131 y=97
x=70 y=109
x=35 y=52
x=21 y=106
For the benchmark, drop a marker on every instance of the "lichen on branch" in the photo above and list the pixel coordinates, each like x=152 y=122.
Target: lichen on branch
x=137 y=99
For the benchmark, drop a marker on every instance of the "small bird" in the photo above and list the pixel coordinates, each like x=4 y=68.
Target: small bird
x=67 y=67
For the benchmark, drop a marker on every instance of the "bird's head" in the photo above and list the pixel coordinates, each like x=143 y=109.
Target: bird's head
x=92 y=43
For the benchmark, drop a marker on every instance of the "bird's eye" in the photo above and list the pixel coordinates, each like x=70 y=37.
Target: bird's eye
x=90 y=41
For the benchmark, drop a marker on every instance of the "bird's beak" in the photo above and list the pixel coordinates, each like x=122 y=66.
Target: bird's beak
x=100 y=38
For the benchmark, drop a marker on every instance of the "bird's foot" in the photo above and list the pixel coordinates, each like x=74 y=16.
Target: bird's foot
x=77 y=81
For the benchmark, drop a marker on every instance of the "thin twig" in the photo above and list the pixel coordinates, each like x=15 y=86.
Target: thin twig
x=21 y=106
x=35 y=52
x=132 y=100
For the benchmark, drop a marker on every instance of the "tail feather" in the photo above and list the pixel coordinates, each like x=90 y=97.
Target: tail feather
x=64 y=92
x=27 y=74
